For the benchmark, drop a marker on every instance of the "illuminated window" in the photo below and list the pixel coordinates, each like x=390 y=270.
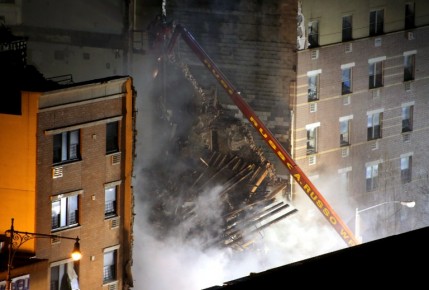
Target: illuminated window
x=406 y=162
x=63 y=276
x=347 y=28
x=110 y=265
x=376 y=22
x=64 y=210
x=372 y=177
x=112 y=141
x=374 y=125
x=110 y=201
x=407 y=118
x=66 y=146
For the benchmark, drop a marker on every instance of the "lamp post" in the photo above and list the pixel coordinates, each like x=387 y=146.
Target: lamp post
x=357 y=216
x=17 y=238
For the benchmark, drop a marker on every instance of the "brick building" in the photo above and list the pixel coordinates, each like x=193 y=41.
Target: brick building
x=360 y=124
x=67 y=157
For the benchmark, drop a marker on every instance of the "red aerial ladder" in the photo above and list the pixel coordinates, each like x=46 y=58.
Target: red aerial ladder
x=299 y=176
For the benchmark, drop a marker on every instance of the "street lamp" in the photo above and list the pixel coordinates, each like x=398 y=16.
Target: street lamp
x=17 y=238
x=357 y=217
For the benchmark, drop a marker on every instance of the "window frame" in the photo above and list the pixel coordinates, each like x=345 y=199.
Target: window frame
x=347 y=121
x=407 y=116
x=376 y=74
x=111 y=203
x=63 y=147
x=312 y=131
x=112 y=139
x=372 y=176
x=347 y=28
x=347 y=77
x=313 y=85
x=313 y=33
x=406 y=161
x=410 y=15
x=70 y=203
x=374 y=125
x=409 y=66
x=63 y=268
x=110 y=265
x=376 y=22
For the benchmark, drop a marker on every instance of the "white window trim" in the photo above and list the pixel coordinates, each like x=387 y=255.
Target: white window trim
x=345 y=118
x=375 y=112
x=347 y=65
x=112 y=184
x=371 y=163
x=61 y=262
x=67 y=194
x=312 y=126
x=406 y=155
x=314 y=72
x=376 y=59
x=112 y=248
x=408 y=104
x=410 y=52
x=344 y=170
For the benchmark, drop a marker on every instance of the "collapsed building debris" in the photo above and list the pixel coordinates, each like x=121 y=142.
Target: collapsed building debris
x=212 y=183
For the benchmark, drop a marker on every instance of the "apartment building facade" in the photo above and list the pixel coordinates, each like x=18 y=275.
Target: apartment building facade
x=359 y=115
x=67 y=158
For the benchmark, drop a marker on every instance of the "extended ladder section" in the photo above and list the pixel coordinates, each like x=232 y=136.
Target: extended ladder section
x=299 y=176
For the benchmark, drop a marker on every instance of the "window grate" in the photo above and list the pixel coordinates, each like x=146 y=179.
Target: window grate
x=57 y=172
x=313 y=107
x=312 y=160
x=113 y=286
x=348 y=47
x=314 y=54
x=345 y=151
x=374 y=145
x=406 y=137
x=114 y=223
x=116 y=158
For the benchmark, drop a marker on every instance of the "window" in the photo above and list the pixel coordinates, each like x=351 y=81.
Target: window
x=346 y=79
x=110 y=201
x=347 y=28
x=407 y=118
x=313 y=85
x=406 y=162
x=409 y=66
x=63 y=276
x=109 y=272
x=374 y=125
x=376 y=22
x=312 y=132
x=65 y=209
x=66 y=146
x=112 y=144
x=313 y=34
x=372 y=177
x=375 y=74
x=345 y=131
x=409 y=15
